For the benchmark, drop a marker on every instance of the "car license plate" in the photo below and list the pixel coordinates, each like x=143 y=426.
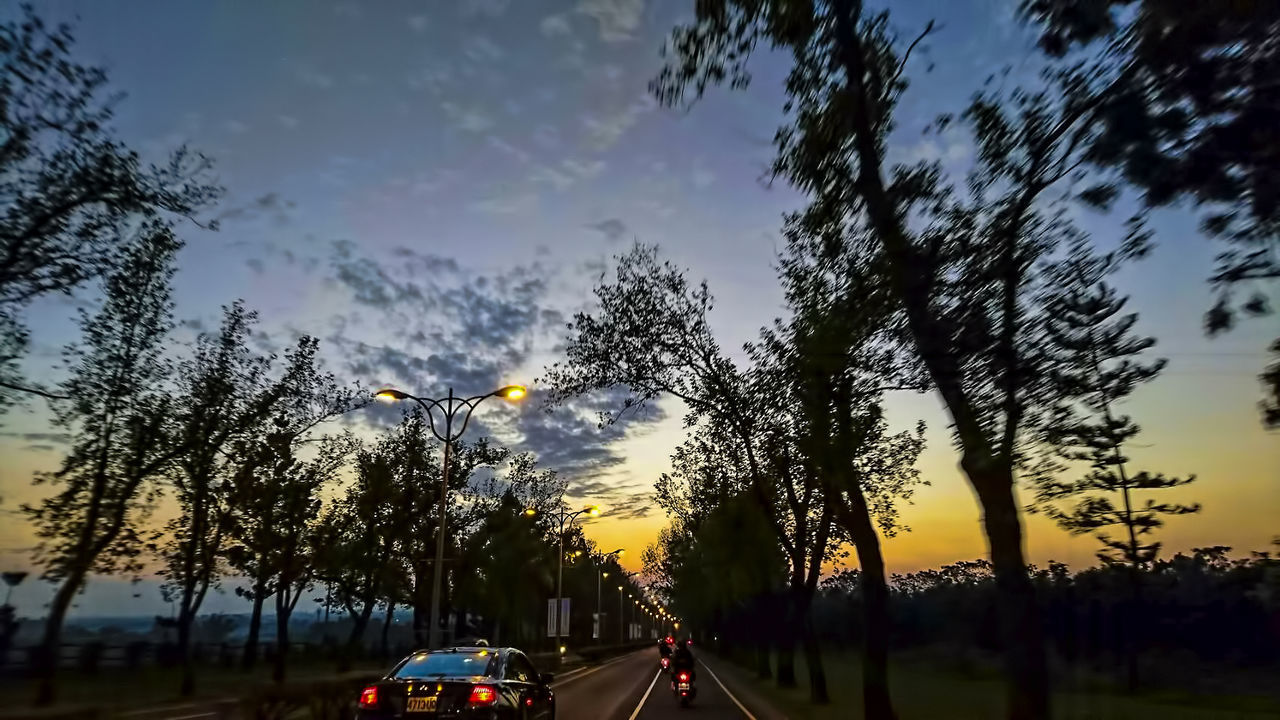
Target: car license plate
x=684 y=686
x=421 y=704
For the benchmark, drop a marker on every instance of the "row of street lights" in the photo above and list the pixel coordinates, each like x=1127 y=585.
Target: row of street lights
x=450 y=407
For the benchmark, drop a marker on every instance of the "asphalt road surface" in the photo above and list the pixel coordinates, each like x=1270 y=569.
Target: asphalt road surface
x=629 y=688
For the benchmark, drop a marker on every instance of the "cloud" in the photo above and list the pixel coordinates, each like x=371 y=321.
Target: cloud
x=348 y=10
x=507 y=148
x=473 y=331
x=418 y=23
x=951 y=148
x=571 y=440
x=481 y=49
x=267 y=205
x=506 y=204
x=469 y=119
x=490 y=8
x=567 y=173
x=618 y=19
x=288 y=121
x=613 y=229
x=256 y=265
x=311 y=77
x=236 y=127
x=701 y=177
x=604 y=131
x=39 y=437
x=553 y=25
x=630 y=507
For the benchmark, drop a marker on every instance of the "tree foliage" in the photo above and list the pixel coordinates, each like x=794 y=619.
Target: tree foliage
x=117 y=413
x=72 y=195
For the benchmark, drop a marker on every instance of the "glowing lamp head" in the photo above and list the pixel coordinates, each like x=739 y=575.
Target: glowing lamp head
x=513 y=392
x=530 y=512
x=593 y=510
x=390 y=395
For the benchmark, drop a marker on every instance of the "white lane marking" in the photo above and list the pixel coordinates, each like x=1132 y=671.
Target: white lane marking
x=640 y=707
x=741 y=707
x=583 y=672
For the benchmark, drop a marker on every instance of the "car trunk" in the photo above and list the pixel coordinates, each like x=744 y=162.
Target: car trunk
x=426 y=698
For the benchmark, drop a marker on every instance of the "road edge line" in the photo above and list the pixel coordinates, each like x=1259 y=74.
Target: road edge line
x=645 y=699
x=732 y=697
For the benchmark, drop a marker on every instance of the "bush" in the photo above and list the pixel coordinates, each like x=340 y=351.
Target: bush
x=329 y=699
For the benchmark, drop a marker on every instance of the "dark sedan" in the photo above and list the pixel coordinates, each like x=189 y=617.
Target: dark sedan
x=462 y=682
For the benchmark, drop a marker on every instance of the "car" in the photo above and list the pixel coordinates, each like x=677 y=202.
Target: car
x=471 y=683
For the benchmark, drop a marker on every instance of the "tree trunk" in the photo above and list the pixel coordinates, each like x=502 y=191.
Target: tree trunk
x=786 y=644
x=283 y=611
x=188 y=683
x=50 y=645
x=386 y=628
x=876 y=702
x=1026 y=668
x=255 y=625
x=813 y=661
x=421 y=603
x=1132 y=630
x=355 y=641
x=763 y=669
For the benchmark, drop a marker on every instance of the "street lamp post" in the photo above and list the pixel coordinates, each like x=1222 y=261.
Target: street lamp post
x=621 y=625
x=600 y=575
x=563 y=517
x=449 y=407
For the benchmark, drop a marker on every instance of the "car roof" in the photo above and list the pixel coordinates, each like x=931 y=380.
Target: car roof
x=467 y=649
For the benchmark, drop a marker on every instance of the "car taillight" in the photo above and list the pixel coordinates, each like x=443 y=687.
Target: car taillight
x=369 y=697
x=483 y=695
x=684 y=677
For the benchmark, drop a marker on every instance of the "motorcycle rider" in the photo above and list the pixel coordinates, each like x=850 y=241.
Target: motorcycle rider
x=682 y=657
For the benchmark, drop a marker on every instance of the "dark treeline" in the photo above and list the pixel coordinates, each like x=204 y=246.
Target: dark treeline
x=1203 y=610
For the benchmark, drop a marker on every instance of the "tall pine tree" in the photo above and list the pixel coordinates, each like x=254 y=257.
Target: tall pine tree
x=1096 y=365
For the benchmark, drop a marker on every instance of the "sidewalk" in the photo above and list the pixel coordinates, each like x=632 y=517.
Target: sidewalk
x=741 y=684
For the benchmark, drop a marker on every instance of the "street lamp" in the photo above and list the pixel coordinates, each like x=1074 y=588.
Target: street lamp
x=449 y=407
x=562 y=517
x=600 y=575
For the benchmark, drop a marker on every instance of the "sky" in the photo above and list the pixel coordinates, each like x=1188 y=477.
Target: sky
x=433 y=187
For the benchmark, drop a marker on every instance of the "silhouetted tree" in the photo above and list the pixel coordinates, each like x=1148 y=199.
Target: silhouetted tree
x=220 y=395
x=71 y=194
x=1185 y=105
x=651 y=336
x=298 y=536
x=962 y=272
x=828 y=367
x=119 y=418
x=262 y=460
x=1095 y=362
x=1270 y=378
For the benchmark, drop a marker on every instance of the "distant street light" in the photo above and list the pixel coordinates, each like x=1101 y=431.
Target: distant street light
x=562 y=517
x=449 y=407
x=600 y=574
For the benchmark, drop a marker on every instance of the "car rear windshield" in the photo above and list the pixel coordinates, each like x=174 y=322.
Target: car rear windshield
x=447 y=664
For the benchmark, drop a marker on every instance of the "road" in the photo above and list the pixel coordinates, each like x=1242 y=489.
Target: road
x=624 y=688
x=628 y=688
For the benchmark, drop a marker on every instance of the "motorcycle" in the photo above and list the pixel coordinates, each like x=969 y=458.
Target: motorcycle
x=682 y=688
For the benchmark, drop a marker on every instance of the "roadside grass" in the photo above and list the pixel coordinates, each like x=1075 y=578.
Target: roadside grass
x=922 y=690
x=153 y=686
